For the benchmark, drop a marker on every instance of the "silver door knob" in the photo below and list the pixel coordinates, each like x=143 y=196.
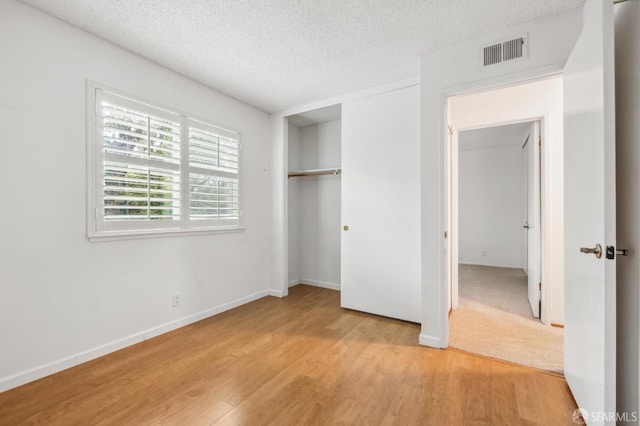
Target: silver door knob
x=597 y=250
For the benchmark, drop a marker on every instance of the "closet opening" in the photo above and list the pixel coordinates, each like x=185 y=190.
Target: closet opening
x=313 y=142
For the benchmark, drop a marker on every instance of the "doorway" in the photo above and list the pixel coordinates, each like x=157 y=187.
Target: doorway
x=507 y=239
x=499 y=223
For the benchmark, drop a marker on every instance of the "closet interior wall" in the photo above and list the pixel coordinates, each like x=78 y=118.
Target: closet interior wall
x=314 y=205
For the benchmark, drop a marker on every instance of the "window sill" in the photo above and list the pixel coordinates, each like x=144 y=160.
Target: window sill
x=162 y=233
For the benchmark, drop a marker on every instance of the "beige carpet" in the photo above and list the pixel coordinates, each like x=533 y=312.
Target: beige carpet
x=494 y=319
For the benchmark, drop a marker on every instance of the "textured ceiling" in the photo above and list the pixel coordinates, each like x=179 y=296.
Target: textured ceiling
x=491 y=137
x=277 y=54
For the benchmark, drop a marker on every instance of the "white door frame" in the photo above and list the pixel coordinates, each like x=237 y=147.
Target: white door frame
x=444 y=94
x=524 y=204
x=452 y=155
x=284 y=292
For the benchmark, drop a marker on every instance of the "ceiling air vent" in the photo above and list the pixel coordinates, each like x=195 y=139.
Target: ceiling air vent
x=492 y=54
x=504 y=51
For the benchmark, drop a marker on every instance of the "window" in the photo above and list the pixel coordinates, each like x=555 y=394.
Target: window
x=156 y=171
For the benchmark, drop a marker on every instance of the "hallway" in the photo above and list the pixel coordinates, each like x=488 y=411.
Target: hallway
x=494 y=319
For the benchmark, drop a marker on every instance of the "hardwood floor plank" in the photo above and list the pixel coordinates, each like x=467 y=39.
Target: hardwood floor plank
x=301 y=360
x=504 y=406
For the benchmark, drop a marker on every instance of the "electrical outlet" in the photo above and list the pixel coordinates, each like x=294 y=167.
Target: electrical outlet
x=484 y=252
x=176 y=300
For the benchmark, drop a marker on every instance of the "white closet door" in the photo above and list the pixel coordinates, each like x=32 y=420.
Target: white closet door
x=380 y=250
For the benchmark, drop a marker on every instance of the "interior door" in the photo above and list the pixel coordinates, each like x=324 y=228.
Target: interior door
x=380 y=244
x=524 y=203
x=533 y=223
x=590 y=281
x=452 y=256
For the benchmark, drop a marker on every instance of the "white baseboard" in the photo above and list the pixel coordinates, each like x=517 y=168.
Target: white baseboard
x=276 y=293
x=433 y=342
x=44 y=370
x=294 y=283
x=460 y=262
x=323 y=284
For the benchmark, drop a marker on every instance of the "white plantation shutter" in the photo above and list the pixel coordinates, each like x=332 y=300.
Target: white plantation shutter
x=139 y=134
x=161 y=170
x=213 y=174
x=141 y=164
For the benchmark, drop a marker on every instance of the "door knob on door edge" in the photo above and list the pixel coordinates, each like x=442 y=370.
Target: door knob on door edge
x=597 y=250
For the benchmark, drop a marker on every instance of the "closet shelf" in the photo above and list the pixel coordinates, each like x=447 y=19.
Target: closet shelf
x=316 y=172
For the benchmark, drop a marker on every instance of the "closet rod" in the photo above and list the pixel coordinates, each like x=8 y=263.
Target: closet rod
x=315 y=172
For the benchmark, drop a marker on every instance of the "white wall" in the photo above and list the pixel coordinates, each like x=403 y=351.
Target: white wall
x=627 y=40
x=64 y=299
x=320 y=206
x=278 y=212
x=490 y=211
x=314 y=201
x=452 y=70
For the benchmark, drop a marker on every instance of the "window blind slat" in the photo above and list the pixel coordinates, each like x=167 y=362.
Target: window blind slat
x=115 y=117
x=205 y=157
x=118 y=128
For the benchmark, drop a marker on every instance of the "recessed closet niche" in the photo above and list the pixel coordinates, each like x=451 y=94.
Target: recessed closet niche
x=314 y=232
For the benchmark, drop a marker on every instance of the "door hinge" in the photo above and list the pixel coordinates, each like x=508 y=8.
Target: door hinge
x=445 y=234
x=540 y=286
x=539 y=141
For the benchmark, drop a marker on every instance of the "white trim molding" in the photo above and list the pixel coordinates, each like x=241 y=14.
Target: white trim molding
x=314 y=283
x=321 y=284
x=276 y=293
x=294 y=283
x=431 y=341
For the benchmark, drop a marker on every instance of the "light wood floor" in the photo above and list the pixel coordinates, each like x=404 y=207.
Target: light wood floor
x=293 y=361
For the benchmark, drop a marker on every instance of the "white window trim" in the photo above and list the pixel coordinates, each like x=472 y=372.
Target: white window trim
x=183 y=227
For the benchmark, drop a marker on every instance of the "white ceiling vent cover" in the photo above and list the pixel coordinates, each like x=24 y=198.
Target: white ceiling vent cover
x=512 y=50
